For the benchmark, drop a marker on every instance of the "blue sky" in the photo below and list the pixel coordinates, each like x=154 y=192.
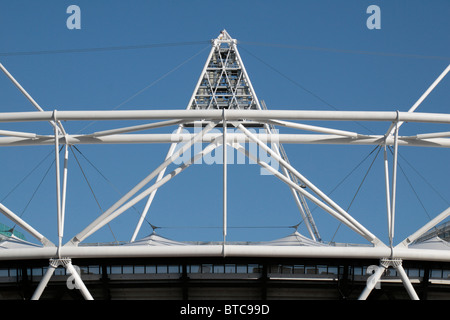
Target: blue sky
x=299 y=54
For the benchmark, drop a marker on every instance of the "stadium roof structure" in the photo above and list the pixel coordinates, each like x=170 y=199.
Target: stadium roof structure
x=224 y=97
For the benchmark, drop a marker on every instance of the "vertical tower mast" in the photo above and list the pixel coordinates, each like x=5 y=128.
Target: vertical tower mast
x=224 y=82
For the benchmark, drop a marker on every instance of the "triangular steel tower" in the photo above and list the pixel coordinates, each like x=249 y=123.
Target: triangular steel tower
x=224 y=82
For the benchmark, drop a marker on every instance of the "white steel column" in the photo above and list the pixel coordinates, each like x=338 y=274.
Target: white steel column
x=388 y=194
x=385 y=264
x=371 y=282
x=224 y=154
x=394 y=186
x=53 y=265
x=58 y=188
x=406 y=282
x=80 y=284
x=60 y=194
x=64 y=188
x=45 y=279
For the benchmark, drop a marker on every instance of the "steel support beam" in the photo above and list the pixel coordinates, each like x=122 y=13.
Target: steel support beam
x=53 y=264
x=324 y=139
x=78 y=282
x=371 y=282
x=152 y=195
x=418 y=102
x=19 y=221
x=443 y=215
x=18 y=134
x=28 y=96
x=385 y=264
x=130 y=251
x=232 y=115
x=315 y=128
x=155 y=125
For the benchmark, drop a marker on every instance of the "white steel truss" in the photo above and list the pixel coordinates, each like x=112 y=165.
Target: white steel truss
x=224 y=82
x=222 y=98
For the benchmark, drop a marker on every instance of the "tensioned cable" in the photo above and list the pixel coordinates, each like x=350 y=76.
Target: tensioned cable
x=300 y=86
x=354 y=169
x=188 y=43
x=342 y=181
x=345 y=178
x=220 y=227
x=350 y=173
x=412 y=187
x=87 y=181
x=290 y=79
x=96 y=169
x=151 y=84
x=104 y=177
x=424 y=179
x=160 y=78
x=414 y=191
x=26 y=177
x=38 y=186
x=359 y=188
x=365 y=176
x=92 y=191
x=102 y=49
x=387 y=54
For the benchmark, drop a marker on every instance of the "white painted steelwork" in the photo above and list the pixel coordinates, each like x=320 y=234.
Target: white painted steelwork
x=241 y=108
x=232 y=115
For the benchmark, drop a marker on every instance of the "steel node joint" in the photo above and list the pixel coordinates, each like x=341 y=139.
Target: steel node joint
x=391 y=262
x=55 y=263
